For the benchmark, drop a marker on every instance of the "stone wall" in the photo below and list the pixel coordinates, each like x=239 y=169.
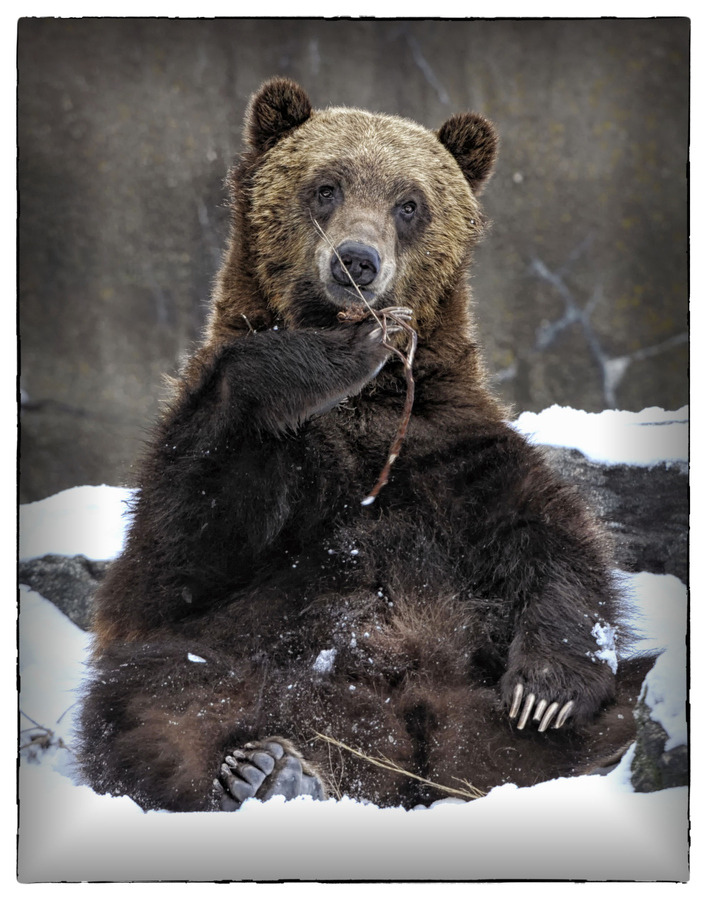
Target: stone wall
x=127 y=128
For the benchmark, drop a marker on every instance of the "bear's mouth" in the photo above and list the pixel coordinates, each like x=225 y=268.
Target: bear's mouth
x=345 y=296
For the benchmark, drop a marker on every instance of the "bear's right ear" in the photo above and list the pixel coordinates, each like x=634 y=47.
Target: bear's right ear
x=473 y=142
x=277 y=108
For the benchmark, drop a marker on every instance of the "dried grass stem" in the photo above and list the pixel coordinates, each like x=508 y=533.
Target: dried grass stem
x=469 y=792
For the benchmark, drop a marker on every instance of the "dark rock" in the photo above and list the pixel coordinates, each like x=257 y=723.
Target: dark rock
x=68 y=581
x=653 y=767
x=645 y=509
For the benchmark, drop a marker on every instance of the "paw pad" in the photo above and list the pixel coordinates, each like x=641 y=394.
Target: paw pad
x=264 y=769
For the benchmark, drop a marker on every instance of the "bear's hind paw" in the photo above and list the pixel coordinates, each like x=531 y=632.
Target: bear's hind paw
x=265 y=769
x=543 y=711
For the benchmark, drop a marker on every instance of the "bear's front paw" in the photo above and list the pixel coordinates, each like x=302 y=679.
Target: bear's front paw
x=545 y=711
x=550 y=692
x=265 y=769
x=548 y=687
x=392 y=320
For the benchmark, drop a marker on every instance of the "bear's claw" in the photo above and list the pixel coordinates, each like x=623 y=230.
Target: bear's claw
x=399 y=314
x=543 y=713
x=265 y=769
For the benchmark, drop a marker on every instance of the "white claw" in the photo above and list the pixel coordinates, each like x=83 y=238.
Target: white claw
x=527 y=709
x=539 y=710
x=400 y=312
x=377 y=333
x=517 y=697
x=563 y=713
x=547 y=718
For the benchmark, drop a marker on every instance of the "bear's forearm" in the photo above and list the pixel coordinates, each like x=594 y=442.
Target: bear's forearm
x=539 y=550
x=217 y=487
x=271 y=382
x=562 y=646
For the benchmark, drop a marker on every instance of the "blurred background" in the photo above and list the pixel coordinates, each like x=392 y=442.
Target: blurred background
x=126 y=128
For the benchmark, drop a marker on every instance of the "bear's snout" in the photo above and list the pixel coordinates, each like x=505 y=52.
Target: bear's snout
x=353 y=260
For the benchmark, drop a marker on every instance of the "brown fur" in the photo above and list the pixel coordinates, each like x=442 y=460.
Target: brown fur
x=249 y=549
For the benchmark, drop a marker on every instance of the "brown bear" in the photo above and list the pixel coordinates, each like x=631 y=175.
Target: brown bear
x=457 y=628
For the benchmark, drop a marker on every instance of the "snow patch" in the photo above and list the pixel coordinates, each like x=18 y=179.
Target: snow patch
x=86 y=520
x=651 y=437
x=605 y=637
x=665 y=692
x=324 y=663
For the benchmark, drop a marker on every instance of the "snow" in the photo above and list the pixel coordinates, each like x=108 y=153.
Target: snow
x=88 y=520
x=605 y=637
x=647 y=438
x=324 y=663
x=660 y=613
x=591 y=827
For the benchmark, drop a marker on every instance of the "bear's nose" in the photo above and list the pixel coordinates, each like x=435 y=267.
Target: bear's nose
x=360 y=260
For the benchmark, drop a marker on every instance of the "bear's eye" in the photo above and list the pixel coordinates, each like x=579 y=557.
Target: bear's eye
x=326 y=192
x=408 y=208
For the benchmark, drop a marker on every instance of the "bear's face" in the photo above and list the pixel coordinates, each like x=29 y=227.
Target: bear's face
x=343 y=194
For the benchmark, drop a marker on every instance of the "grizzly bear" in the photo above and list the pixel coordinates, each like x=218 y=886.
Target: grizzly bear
x=265 y=631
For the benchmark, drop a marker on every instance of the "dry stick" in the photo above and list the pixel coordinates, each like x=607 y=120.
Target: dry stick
x=471 y=793
x=405 y=359
x=404 y=421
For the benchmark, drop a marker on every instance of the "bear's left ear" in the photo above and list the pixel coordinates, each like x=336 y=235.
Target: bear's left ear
x=276 y=109
x=473 y=142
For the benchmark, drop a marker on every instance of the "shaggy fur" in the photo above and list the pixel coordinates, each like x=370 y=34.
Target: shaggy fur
x=250 y=552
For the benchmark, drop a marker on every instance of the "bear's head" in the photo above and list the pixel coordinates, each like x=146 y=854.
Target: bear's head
x=325 y=198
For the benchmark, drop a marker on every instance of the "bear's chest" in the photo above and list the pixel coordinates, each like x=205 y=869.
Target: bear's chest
x=351 y=445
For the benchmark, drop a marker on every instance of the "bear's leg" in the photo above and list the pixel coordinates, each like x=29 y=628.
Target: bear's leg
x=265 y=769
x=158 y=720
x=474 y=740
x=351 y=733
x=476 y=746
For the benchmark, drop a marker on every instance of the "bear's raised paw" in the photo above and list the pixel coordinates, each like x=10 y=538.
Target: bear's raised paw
x=265 y=769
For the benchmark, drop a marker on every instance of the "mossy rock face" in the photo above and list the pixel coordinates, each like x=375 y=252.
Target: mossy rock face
x=655 y=768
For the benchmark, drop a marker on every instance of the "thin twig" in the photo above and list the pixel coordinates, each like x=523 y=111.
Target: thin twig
x=406 y=359
x=404 y=421
x=470 y=792
x=29 y=718
x=45 y=739
x=66 y=711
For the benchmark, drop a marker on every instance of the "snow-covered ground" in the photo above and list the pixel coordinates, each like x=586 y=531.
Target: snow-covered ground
x=593 y=827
